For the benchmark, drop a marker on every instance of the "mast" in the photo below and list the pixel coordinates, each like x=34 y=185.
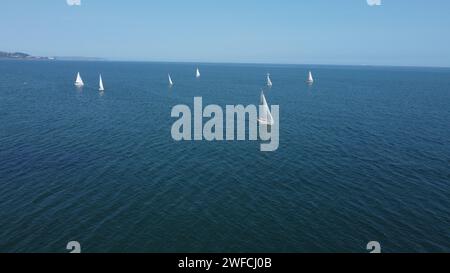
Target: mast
x=101 y=88
x=265 y=117
x=269 y=81
x=310 y=78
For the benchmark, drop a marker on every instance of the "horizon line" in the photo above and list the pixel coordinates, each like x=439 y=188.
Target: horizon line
x=101 y=59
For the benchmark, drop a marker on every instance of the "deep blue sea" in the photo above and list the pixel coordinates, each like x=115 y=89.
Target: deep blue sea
x=364 y=156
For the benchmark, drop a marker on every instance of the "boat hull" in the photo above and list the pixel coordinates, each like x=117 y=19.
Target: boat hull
x=264 y=122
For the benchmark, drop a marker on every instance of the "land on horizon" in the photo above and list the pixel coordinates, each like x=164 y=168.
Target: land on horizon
x=27 y=56
x=21 y=56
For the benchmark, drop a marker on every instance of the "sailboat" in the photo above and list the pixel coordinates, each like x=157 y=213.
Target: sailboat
x=310 y=78
x=100 y=84
x=197 y=74
x=79 y=82
x=265 y=117
x=269 y=81
x=170 y=80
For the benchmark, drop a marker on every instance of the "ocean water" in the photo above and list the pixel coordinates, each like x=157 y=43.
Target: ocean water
x=364 y=156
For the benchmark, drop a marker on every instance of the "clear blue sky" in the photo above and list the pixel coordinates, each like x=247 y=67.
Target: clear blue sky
x=399 y=32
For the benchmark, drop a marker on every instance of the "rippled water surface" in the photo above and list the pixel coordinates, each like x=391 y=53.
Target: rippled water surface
x=364 y=155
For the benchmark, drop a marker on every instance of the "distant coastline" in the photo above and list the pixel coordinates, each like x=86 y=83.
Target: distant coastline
x=78 y=58
x=25 y=56
x=21 y=56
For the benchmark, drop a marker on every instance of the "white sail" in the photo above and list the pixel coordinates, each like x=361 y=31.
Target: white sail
x=310 y=78
x=170 y=80
x=100 y=84
x=197 y=74
x=79 y=81
x=265 y=117
x=269 y=81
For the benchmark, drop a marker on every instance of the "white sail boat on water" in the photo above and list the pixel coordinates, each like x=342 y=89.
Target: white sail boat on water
x=79 y=81
x=100 y=84
x=269 y=81
x=265 y=117
x=310 y=79
x=197 y=74
x=170 y=80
